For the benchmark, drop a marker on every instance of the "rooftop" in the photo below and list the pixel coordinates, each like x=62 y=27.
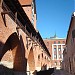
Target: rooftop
x=55 y=37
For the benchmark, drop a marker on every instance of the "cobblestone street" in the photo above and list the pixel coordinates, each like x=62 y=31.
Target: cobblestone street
x=60 y=72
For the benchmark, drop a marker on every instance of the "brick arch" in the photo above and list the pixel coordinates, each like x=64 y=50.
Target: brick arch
x=31 y=60
x=13 y=44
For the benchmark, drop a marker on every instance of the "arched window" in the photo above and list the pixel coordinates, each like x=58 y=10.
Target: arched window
x=63 y=41
x=58 y=42
x=73 y=34
x=54 y=42
x=45 y=57
x=55 y=63
x=42 y=55
x=38 y=57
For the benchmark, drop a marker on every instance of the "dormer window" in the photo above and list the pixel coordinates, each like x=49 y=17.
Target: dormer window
x=73 y=34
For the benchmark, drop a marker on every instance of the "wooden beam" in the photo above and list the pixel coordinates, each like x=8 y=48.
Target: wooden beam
x=3 y=16
x=5 y=12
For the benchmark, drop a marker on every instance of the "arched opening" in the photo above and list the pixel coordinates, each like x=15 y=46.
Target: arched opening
x=31 y=61
x=11 y=55
x=7 y=59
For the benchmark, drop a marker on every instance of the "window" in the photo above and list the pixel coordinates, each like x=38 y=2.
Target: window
x=47 y=43
x=74 y=59
x=58 y=42
x=54 y=42
x=63 y=41
x=73 y=34
x=45 y=57
x=59 y=55
x=38 y=56
x=42 y=55
x=54 y=49
x=55 y=63
x=55 y=56
x=59 y=49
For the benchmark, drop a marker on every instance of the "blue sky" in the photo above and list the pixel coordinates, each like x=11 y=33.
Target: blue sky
x=53 y=16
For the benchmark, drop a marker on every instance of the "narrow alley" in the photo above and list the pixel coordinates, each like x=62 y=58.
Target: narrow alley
x=37 y=42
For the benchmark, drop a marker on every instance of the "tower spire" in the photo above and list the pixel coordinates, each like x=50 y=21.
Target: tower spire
x=55 y=35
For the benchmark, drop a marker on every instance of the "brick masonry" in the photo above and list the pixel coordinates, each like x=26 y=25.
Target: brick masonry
x=15 y=50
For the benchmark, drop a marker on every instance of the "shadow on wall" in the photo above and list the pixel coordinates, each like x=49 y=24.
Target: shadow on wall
x=23 y=53
x=5 y=71
x=16 y=45
x=1 y=46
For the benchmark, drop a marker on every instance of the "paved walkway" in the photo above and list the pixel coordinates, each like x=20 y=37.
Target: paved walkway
x=60 y=72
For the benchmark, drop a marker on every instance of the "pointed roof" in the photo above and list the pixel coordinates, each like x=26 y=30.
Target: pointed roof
x=55 y=37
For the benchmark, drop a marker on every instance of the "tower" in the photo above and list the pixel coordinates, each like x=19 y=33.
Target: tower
x=29 y=7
